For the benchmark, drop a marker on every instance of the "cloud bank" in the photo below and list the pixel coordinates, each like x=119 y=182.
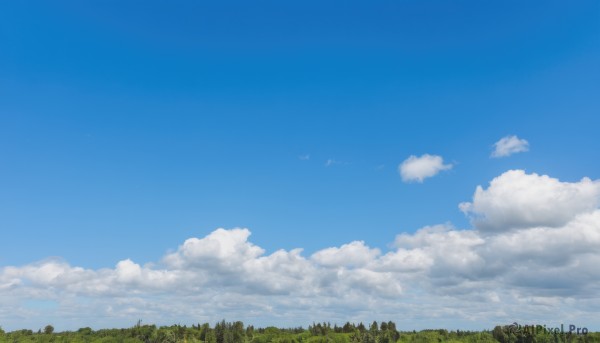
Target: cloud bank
x=509 y=145
x=419 y=168
x=531 y=256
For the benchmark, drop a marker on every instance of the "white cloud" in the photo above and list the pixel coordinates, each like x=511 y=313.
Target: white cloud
x=509 y=145
x=355 y=254
x=225 y=249
x=519 y=200
x=419 y=168
x=515 y=265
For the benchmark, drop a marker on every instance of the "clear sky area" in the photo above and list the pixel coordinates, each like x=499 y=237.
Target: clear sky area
x=434 y=163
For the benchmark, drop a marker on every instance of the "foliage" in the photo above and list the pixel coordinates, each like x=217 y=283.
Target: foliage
x=235 y=332
x=49 y=329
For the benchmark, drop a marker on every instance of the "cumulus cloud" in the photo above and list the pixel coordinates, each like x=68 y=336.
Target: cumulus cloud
x=224 y=249
x=520 y=262
x=516 y=200
x=352 y=254
x=509 y=145
x=419 y=168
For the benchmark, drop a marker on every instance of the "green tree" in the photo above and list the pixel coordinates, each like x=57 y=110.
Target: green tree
x=348 y=328
x=204 y=329
x=374 y=327
x=499 y=334
x=250 y=332
x=238 y=332
x=49 y=329
x=383 y=326
x=210 y=337
x=368 y=337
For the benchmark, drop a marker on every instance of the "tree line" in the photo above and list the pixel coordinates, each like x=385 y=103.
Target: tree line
x=236 y=332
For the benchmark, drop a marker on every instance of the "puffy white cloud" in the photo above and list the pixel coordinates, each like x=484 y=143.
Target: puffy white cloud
x=220 y=249
x=518 y=200
x=524 y=268
x=355 y=254
x=509 y=145
x=419 y=168
x=128 y=271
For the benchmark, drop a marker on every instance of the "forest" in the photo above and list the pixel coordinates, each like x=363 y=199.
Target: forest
x=236 y=332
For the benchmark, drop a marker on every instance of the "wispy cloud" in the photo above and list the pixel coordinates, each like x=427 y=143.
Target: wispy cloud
x=419 y=168
x=304 y=157
x=509 y=145
x=331 y=162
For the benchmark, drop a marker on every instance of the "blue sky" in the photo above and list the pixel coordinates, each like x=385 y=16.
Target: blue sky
x=127 y=128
